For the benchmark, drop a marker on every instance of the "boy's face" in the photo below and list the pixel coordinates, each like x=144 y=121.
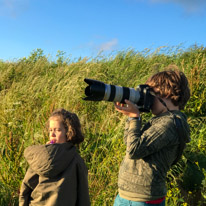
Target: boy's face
x=157 y=107
x=57 y=131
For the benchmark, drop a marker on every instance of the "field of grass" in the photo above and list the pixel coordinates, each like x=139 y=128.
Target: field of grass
x=30 y=88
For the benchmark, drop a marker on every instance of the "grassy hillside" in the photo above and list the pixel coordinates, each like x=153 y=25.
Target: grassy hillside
x=30 y=88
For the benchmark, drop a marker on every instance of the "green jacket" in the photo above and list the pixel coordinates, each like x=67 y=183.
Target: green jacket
x=57 y=176
x=149 y=155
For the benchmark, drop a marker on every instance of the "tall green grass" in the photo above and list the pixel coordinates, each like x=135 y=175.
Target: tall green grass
x=30 y=88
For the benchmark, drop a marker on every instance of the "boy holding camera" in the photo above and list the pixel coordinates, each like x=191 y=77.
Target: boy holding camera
x=152 y=150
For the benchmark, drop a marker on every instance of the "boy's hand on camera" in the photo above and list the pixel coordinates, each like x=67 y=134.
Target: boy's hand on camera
x=129 y=109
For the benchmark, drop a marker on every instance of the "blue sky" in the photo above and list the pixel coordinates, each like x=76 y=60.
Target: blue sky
x=83 y=28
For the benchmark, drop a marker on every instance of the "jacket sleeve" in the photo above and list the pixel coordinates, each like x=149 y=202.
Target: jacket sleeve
x=160 y=134
x=29 y=183
x=82 y=185
x=127 y=128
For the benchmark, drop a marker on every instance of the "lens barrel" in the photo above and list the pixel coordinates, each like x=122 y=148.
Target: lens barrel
x=97 y=91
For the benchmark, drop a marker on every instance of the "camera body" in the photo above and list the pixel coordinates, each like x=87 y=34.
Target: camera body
x=99 y=91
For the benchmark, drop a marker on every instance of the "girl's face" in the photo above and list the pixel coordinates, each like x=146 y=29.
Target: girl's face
x=57 y=131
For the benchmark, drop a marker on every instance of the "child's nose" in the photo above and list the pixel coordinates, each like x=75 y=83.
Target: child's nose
x=53 y=134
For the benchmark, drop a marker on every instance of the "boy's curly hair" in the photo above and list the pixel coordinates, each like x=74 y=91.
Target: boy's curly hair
x=172 y=84
x=71 y=123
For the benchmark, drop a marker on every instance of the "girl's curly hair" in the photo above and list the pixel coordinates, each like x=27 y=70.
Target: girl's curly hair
x=172 y=84
x=71 y=123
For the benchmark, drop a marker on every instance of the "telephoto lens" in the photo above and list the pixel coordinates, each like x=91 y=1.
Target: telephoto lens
x=99 y=91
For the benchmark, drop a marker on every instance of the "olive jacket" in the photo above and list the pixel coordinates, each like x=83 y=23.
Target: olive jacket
x=150 y=152
x=57 y=176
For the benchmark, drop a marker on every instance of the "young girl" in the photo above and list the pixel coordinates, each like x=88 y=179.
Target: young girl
x=57 y=175
x=159 y=144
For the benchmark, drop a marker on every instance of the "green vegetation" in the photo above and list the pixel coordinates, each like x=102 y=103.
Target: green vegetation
x=30 y=88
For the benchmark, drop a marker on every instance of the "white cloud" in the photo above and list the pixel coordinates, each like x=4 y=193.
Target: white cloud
x=108 y=46
x=94 y=47
x=13 y=8
x=190 y=6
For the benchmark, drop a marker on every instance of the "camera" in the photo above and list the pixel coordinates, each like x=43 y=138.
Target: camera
x=99 y=91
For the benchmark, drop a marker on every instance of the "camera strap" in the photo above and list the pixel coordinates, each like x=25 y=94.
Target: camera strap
x=180 y=132
x=178 y=125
